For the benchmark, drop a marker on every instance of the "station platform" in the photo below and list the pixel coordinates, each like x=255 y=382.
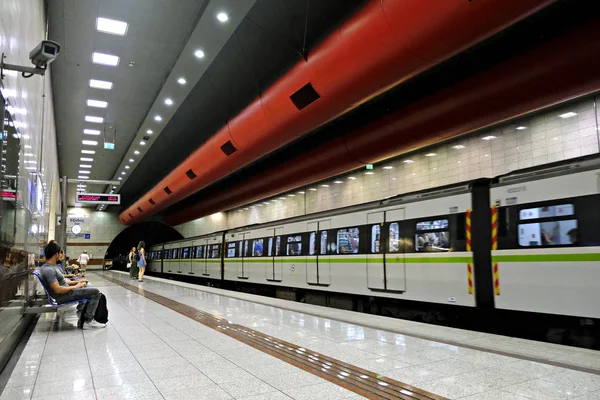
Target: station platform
x=173 y=340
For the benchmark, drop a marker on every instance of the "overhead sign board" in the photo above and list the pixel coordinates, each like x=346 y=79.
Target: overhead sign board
x=99 y=198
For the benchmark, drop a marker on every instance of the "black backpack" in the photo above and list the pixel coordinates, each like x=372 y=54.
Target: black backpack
x=101 y=314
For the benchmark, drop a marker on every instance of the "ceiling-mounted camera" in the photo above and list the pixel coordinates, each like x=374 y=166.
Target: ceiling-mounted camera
x=42 y=55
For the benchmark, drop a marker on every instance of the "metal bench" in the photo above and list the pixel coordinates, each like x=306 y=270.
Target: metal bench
x=54 y=306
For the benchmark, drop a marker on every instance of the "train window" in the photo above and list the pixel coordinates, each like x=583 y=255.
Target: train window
x=270 y=247
x=394 y=241
x=199 y=251
x=312 y=244
x=216 y=251
x=167 y=254
x=246 y=248
x=175 y=254
x=257 y=247
x=432 y=225
x=432 y=236
x=551 y=233
x=375 y=238
x=185 y=253
x=323 y=248
x=294 y=245
x=230 y=249
x=547 y=212
x=347 y=241
x=206 y=250
x=278 y=246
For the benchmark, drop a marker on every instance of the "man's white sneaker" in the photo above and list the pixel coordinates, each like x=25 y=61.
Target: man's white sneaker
x=94 y=324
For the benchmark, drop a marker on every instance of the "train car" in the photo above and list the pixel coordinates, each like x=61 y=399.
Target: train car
x=413 y=247
x=547 y=244
x=200 y=256
x=154 y=259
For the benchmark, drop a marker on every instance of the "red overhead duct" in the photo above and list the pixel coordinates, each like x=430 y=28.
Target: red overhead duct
x=385 y=43
x=560 y=70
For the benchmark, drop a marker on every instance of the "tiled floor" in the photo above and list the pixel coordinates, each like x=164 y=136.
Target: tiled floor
x=148 y=351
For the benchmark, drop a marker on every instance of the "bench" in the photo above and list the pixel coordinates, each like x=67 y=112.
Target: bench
x=54 y=306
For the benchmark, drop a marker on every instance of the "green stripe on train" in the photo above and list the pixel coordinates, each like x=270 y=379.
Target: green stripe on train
x=547 y=257
x=346 y=260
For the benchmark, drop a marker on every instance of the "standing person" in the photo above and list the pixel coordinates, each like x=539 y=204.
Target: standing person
x=141 y=260
x=83 y=262
x=133 y=268
x=65 y=291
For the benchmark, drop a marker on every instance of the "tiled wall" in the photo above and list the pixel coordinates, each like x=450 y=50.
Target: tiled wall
x=102 y=226
x=537 y=139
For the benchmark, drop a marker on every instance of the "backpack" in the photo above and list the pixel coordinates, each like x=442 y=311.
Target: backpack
x=101 y=314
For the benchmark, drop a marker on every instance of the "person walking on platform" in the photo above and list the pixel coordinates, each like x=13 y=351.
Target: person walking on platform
x=132 y=265
x=141 y=260
x=83 y=262
x=65 y=291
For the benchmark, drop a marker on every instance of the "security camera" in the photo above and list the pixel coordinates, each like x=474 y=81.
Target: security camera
x=44 y=53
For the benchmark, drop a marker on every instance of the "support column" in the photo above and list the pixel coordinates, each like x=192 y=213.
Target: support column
x=63 y=214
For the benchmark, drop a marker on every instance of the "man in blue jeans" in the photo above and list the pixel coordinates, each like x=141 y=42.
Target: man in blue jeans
x=64 y=291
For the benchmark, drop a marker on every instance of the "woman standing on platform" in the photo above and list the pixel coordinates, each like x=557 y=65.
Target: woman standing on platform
x=141 y=260
x=132 y=265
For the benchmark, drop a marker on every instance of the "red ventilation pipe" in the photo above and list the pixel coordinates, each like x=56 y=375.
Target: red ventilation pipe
x=555 y=72
x=385 y=43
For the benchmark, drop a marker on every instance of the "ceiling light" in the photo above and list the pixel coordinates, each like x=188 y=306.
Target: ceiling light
x=388 y=167
x=351 y=178
x=83 y=177
x=30 y=162
x=338 y=182
x=131 y=160
x=85 y=166
x=114 y=187
x=458 y=147
x=95 y=120
x=97 y=103
x=149 y=132
x=86 y=159
x=312 y=189
x=300 y=192
x=568 y=115
x=143 y=143
x=157 y=118
x=81 y=185
x=199 y=54
x=84 y=172
x=520 y=128
x=88 y=151
x=430 y=155
x=31 y=168
x=96 y=84
x=168 y=102
x=89 y=142
x=111 y=26
x=136 y=152
x=105 y=59
x=222 y=17
x=282 y=198
x=488 y=137
x=408 y=161
x=27 y=146
x=181 y=81
x=325 y=186
x=131 y=64
x=28 y=155
x=119 y=178
x=369 y=173
x=127 y=167
x=123 y=173
x=94 y=132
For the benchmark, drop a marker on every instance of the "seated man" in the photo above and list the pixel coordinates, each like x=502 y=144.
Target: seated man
x=65 y=291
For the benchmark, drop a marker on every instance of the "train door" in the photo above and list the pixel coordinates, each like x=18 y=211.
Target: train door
x=278 y=260
x=375 y=261
x=244 y=265
x=192 y=256
x=167 y=255
x=312 y=266
x=206 y=255
x=395 y=272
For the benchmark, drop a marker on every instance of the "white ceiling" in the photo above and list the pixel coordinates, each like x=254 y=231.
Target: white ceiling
x=159 y=38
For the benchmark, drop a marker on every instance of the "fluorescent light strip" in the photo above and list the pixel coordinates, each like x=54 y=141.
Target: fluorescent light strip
x=105 y=59
x=88 y=152
x=89 y=142
x=93 y=119
x=97 y=103
x=93 y=132
x=111 y=26
x=96 y=84
x=85 y=166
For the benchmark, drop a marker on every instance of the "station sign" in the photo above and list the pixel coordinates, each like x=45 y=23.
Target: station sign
x=99 y=198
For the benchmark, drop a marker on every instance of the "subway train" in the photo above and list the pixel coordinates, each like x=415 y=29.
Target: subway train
x=527 y=241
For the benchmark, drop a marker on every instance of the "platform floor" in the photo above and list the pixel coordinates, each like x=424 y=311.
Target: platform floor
x=202 y=345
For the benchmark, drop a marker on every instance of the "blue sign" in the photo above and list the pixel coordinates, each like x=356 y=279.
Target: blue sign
x=87 y=236
x=109 y=146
